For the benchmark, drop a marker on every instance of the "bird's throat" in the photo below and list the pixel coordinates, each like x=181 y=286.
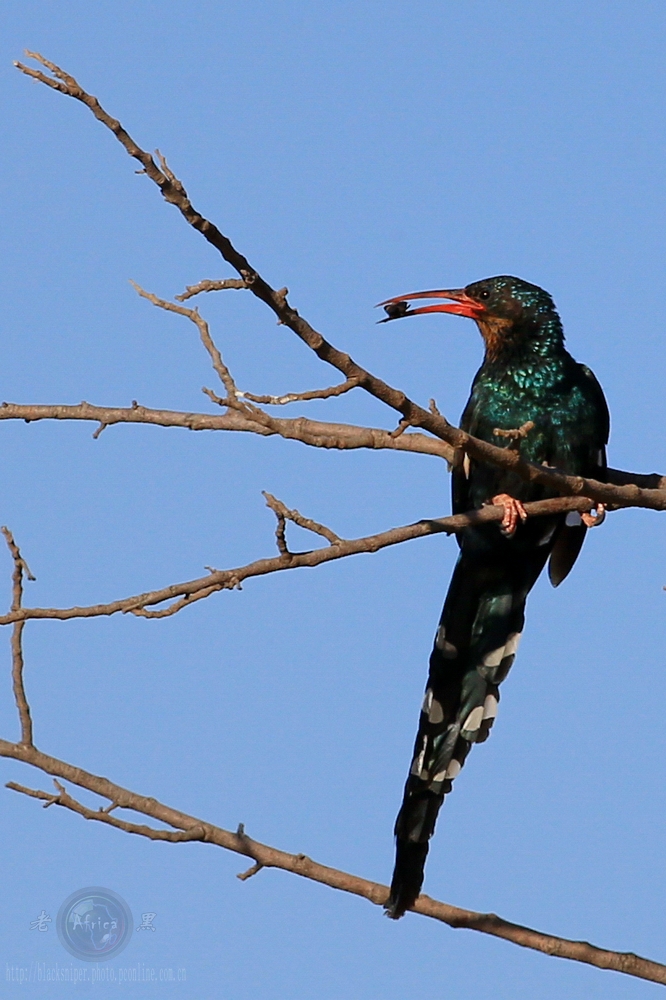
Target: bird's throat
x=500 y=336
x=509 y=341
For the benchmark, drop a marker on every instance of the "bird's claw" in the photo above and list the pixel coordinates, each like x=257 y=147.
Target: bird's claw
x=513 y=511
x=593 y=520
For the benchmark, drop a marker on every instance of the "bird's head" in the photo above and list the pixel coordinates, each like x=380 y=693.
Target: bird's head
x=509 y=312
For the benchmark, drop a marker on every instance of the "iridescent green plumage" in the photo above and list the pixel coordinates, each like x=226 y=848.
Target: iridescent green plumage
x=527 y=376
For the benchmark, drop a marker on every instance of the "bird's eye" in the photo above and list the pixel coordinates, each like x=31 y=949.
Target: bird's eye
x=484 y=294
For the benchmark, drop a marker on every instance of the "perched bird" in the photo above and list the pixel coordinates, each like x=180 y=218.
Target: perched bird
x=527 y=377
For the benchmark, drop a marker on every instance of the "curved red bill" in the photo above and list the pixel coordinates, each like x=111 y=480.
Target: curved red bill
x=462 y=304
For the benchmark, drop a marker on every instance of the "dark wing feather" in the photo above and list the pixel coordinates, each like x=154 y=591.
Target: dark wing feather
x=565 y=552
x=571 y=536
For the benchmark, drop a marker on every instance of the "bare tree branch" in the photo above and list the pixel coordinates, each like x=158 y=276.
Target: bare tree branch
x=174 y=192
x=20 y=567
x=316 y=433
x=184 y=594
x=192 y=829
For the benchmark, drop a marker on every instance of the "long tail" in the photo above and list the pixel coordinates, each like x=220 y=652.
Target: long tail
x=474 y=649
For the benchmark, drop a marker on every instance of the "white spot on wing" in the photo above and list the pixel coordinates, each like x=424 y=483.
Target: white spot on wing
x=466 y=465
x=427 y=701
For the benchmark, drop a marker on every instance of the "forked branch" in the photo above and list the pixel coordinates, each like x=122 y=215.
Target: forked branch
x=204 y=332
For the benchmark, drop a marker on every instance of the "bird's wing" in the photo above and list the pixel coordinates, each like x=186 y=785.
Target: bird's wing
x=572 y=534
x=597 y=395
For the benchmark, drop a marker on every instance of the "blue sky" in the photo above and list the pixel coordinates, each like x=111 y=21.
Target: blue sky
x=352 y=152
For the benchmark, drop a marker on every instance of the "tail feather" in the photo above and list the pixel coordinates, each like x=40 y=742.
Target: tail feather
x=474 y=649
x=408 y=876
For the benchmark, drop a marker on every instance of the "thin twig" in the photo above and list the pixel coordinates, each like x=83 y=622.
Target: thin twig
x=296 y=397
x=303 y=522
x=254 y=870
x=210 y=286
x=300 y=864
x=204 y=332
x=400 y=429
x=62 y=798
x=18 y=685
x=281 y=526
x=172 y=609
x=20 y=567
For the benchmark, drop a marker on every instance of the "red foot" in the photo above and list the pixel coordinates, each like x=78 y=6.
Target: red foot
x=513 y=509
x=592 y=520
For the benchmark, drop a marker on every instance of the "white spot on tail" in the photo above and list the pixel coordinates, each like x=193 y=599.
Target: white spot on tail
x=447 y=649
x=473 y=720
x=435 y=714
x=451 y=772
x=494 y=658
x=512 y=644
x=432 y=708
x=454 y=769
x=417 y=766
x=490 y=706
